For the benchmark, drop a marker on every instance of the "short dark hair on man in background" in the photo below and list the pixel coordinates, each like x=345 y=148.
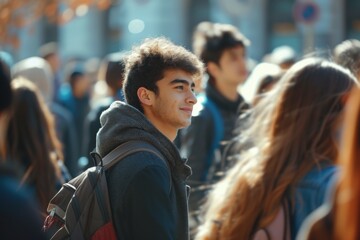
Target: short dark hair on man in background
x=115 y=70
x=210 y=40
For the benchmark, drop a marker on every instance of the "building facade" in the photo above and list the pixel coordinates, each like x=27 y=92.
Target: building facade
x=320 y=25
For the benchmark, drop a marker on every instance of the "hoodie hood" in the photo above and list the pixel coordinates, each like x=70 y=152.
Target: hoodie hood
x=38 y=71
x=122 y=122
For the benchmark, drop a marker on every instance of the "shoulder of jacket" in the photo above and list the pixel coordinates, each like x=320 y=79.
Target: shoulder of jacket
x=132 y=165
x=142 y=159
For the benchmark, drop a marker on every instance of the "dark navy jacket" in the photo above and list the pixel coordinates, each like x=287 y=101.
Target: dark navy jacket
x=148 y=196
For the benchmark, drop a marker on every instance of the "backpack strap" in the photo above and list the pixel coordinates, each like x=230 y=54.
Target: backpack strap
x=127 y=148
x=130 y=147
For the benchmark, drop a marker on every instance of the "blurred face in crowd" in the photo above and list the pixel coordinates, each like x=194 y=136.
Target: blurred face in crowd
x=232 y=66
x=82 y=86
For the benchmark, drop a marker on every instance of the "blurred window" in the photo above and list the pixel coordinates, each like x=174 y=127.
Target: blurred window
x=281 y=25
x=198 y=11
x=352 y=18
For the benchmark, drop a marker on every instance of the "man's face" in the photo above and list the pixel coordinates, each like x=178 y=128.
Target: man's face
x=232 y=66
x=82 y=85
x=172 y=106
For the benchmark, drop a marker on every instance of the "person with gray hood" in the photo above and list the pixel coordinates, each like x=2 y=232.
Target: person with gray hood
x=148 y=195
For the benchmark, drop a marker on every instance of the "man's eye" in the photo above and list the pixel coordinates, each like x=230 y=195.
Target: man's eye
x=180 y=87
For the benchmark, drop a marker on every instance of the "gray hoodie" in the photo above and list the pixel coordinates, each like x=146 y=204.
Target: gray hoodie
x=145 y=204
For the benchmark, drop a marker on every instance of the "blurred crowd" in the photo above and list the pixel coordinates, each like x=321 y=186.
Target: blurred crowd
x=279 y=136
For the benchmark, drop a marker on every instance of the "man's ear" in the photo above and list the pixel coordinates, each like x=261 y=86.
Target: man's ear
x=213 y=68
x=144 y=96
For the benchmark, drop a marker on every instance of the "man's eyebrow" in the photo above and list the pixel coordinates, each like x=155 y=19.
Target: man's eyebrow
x=183 y=81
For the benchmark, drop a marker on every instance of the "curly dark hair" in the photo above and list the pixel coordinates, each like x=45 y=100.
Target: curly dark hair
x=146 y=65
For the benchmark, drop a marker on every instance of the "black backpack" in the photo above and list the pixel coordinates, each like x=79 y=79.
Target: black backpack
x=81 y=208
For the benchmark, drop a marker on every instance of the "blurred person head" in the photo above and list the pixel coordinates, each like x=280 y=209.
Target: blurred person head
x=79 y=83
x=31 y=140
x=293 y=130
x=347 y=54
x=222 y=48
x=261 y=80
x=49 y=52
x=284 y=56
x=38 y=71
x=112 y=70
x=149 y=62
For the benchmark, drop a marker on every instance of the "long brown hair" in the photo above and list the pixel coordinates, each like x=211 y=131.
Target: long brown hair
x=291 y=132
x=32 y=142
x=347 y=208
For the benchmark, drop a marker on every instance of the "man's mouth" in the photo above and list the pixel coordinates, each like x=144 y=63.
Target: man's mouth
x=187 y=110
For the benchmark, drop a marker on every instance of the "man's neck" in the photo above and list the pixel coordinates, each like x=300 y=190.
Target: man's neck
x=169 y=133
x=228 y=91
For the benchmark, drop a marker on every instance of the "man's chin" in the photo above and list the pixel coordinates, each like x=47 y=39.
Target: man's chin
x=185 y=124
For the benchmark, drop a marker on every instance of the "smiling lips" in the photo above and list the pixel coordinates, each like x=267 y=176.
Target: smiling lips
x=187 y=110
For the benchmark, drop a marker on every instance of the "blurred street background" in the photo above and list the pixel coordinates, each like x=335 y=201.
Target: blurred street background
x=92 y=29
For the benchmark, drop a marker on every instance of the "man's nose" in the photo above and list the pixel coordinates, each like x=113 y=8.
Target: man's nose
x=192 y=98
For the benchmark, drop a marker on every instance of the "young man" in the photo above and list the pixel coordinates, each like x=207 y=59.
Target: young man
x=148 y=195
x=222 y=49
